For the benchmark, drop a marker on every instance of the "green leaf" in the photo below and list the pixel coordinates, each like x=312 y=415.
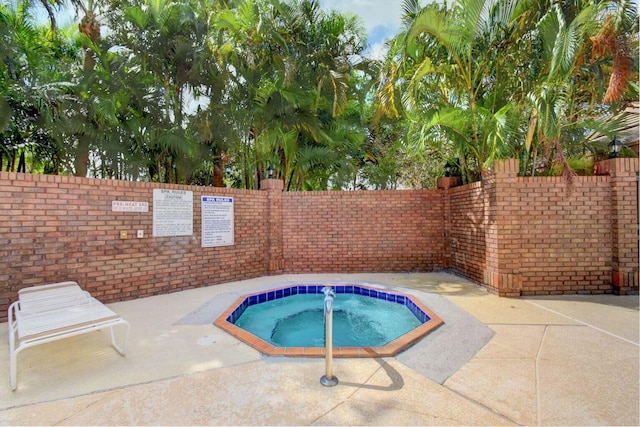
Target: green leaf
x=137 y=16
x=5 y=113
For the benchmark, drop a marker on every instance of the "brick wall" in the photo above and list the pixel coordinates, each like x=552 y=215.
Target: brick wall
x=544 y=235
x=62 y=228
x=623 y=174
x=467 y=235
x=58 y=228
x=333 y=231
x=275 y=235
x=561 y=236
x=515 y=236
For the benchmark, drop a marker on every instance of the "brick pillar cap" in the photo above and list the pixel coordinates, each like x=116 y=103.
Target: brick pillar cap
x=272 y=184
x=447 y=182
x=619 y=166
x=508 y=166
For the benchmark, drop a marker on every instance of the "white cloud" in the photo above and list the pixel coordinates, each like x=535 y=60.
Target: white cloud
x=381 y=18
x=373 y=12
x=377 y=51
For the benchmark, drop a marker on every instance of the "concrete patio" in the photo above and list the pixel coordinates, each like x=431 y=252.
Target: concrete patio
x=556 y=360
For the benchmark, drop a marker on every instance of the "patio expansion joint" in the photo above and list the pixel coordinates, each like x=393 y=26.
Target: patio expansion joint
x=65 y=421
x=537 y=376
x=319 y=418
x=481 y=405
x=584 y=323
x=357 y=387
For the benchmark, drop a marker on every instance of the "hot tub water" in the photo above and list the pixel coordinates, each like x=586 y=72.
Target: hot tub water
x=358 y=321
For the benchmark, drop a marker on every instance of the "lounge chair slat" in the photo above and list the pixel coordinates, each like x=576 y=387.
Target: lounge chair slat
x=43 y=324
x=50 y=297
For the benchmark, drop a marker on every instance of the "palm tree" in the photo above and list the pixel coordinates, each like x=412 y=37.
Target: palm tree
x=568 y=99
x=482 y=79
x=89 y=28
x=291 y=80
x=162 y=44
x=33 y=85
x=448 y=73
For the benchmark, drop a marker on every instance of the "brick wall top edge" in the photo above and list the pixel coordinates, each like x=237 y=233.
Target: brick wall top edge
x=555 y=180
x=13 y=176
x=579 y=180
x=509 y=166
x=624 y=165
x=465 y=187
x=363 y=192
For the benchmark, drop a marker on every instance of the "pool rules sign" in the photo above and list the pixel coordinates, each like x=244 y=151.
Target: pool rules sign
x=217 y=221
x=172 y=213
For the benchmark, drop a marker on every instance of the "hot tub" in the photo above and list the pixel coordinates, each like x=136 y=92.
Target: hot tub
x=288 y=321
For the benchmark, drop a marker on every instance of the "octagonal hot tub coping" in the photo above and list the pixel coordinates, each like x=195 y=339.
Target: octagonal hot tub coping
x=390 y=349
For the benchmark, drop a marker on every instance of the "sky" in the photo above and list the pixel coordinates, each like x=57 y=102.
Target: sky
x=381 y=18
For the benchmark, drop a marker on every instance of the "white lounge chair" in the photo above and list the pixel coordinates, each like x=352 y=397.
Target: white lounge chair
x=52 y=312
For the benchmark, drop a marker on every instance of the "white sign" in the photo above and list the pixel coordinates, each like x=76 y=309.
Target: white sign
x=172 y=212
x=217 y=221
x=129 y=206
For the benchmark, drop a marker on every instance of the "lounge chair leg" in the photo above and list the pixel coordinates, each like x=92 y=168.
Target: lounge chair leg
x=114 y=344
x=13 y=356
x=13 y=369
x=13 y=362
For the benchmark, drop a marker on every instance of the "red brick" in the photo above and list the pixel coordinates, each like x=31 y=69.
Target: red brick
x=516 y=236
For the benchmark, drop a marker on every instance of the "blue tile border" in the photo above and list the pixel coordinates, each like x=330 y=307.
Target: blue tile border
x=275 y=294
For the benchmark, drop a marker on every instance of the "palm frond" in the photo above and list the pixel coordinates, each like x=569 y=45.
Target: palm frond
x=424 y=68
x=174 y=142
x=5 y=113
x=436 y=124
x=137 y=16
x=549 y=27
x=410 y=8
x=609 y=126
x=476 y=17
x=386 y=94
x=500 y=130
x=311 y=156
x=549 y=101
x=432 y=21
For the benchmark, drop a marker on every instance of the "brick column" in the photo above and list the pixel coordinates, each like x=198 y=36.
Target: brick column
x=446 y=230
x=445 y=183
x=624 y=222
x=501 y=217
x=275 y=257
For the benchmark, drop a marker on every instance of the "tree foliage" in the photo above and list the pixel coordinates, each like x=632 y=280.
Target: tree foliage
x=191 y=92
x=214 y=93
x=484 y=79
